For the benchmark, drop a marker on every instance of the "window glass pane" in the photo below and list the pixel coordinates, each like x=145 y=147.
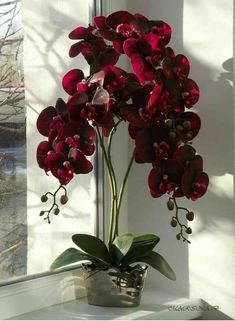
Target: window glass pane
x=13 y=218
x=28 y=244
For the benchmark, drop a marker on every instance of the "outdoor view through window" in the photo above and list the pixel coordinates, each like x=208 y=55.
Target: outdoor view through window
x=13 y=220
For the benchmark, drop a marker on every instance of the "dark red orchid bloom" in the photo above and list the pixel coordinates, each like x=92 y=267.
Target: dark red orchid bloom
x=194 y=180
x=114 y=80
x=90 y=43
x=42 y=151
x=96 y=111
x=154 y=143
x=71 y=79
x=74 y=82
x=64 y=167
x=166 y=98
x=165 y=178
x=117 y=27
x=51 y=119
x=146 y=54
x=176 y=67
x=191 y=124
x=190 y=93
x=93 y=47
x=78 y=134
x=122 y=25
x=135 y=113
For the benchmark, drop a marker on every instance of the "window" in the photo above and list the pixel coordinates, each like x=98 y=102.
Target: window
x=30 y=81
x=13 y=189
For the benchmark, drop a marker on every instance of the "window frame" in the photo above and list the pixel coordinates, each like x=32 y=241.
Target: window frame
x=29 y=293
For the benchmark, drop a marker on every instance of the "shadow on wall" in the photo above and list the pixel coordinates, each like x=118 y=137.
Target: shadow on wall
x=214 y=143
x=46 y=29
x=45 y=44
x=217 y=148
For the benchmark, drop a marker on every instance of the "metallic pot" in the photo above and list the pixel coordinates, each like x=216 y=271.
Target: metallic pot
x=114 y=288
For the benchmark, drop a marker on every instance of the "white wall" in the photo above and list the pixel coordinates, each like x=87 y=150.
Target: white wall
x=46 y=27
x=202 y=30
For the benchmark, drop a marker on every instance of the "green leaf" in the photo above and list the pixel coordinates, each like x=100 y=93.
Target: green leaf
x=72 y=255
x=123 y=242
x=157 y=262
x=146 y=239
x=141 y=245
x=120 y=247
x=93 y=246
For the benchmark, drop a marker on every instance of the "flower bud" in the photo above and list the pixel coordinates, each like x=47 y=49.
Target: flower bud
x=172 y=135
x=180 y=128
x=64 y=199
x=173 y=223
x=44 y=198
x=41 y=213
x=169 y=122
x=188 y=230
x=189 y=136
x=170 y=205
x=187 y=124
x=178 y=236
x=190 y=216
x=56 y=211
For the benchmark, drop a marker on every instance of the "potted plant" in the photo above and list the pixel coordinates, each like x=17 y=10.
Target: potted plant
x=154 y=101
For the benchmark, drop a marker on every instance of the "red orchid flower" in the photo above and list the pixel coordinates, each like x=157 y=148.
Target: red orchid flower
x=190 y=92
x=194 y=180
x=165 y=178
x=146 y=54
x=71 y=79
x=90 y=43
x=64 y=167
x=166 y=98
x=78 y=134
x=153 y=143
x=176 y=67
x=96 y=111
x=42 y=151
x=135 y=113
x=114 y=80
x=122 y=25
x=93 y=47
x=51 y=119
x=117 y=27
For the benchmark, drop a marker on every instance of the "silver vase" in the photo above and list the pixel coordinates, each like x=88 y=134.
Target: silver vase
x=114 y=288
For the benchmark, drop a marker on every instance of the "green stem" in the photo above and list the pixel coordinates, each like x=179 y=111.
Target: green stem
x=116 y=198
x=176 y=217
x=113 y=227
x=112 y=184
x=122 y=189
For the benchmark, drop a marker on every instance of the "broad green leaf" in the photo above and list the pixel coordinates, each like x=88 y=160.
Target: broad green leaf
x=146 y=238
x=123 y=242
x=141 y=246
x=120 y=247
x=157 y=262
x=72 y=255
x=93 y=246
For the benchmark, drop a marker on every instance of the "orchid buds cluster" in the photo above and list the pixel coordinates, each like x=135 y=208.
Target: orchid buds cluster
x=154 y=101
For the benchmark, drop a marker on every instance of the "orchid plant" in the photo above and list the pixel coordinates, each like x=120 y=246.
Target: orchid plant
x=154 y=101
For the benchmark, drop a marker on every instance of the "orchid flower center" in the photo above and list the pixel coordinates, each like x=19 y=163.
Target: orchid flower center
x=125 y=29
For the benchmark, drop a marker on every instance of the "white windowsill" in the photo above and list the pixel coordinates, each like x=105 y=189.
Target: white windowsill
x=154 y=306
